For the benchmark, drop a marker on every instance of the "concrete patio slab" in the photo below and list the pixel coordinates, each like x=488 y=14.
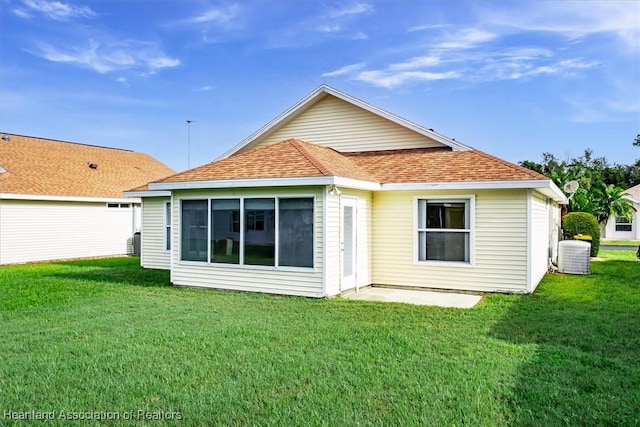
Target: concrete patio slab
x=419 y=297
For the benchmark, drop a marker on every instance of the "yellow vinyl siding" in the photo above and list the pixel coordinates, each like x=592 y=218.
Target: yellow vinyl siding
x=154 y=254
x=332 y=251
x=338 y=124
x=51 y=230
x=500 y=243
x=282 y=280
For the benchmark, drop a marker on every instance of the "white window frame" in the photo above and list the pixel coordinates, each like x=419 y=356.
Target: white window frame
x=470 y=203
x=242 y=198
x=628 y=222
x=168 y=213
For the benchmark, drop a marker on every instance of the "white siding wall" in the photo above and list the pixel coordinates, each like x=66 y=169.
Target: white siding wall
x=338 y=124
x=50 y=230
x=153 y=251
x=540 y=233
x=304 y=282
x=500 y=243
x=611 y=233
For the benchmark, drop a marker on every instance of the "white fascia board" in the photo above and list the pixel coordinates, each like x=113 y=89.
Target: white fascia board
x=318 y=94
x=357 y=184
x=266 y=182
x=147 y=193
x=39 y=197
x=243 y=183
x=540 y=185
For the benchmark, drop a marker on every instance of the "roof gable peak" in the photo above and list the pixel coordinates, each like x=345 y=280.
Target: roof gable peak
x=322 y=92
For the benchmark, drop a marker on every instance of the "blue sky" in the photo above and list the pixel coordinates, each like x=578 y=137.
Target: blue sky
x=512 y=78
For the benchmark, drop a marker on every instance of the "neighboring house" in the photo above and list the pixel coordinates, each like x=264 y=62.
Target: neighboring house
x=621 y=228
x=336 y=194
x=61 y=200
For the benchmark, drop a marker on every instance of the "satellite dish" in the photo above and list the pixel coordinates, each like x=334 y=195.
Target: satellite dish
x=571 y=187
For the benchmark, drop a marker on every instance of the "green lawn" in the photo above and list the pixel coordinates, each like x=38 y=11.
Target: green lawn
x=620 y=242
x=106 y=336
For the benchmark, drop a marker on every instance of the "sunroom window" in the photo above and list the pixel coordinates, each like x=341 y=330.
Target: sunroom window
x=276 y=232
x=444 y=230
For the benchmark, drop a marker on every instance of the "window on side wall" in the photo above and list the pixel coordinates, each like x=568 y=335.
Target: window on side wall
x=444 y=230
x=623 y=224
x=167 y=226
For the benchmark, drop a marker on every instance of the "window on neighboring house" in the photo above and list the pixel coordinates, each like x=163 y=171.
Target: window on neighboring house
x=167 y=226
x=444 y=230
x=118 y=205
x=194 y=230
x=623 y=224
x=249 y=231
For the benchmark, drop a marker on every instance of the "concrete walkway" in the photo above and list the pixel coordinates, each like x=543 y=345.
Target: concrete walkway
x=419 y=297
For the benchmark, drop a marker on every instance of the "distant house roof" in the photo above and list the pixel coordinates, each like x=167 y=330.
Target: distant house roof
x=296 y=159
x=45 y=167
x=634 y=192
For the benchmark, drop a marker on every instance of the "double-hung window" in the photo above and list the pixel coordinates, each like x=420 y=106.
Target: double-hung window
x=623 y=224
x=267 y=231
x=167 y=226
x=444 y=229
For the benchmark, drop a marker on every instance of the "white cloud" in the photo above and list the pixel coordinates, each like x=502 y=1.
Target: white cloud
x=205 y=88
x=390 y=80
x=55 y=10
x=212 y=16
x=354 y=9
x=325 y=28
x=573 y=19
x=347 y=69
x=360 y=36
x=104 y=58
x=417 y=62
x=465 y=39
x=424 y=27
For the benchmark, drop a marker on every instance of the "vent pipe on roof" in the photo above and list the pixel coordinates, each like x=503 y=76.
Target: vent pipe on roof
x=6 y=138
x=92 y=165
x=2 y=170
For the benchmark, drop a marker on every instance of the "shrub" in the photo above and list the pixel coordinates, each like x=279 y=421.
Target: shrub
x=582 y=223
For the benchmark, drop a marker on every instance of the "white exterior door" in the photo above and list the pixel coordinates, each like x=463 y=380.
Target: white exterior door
x=348 y=243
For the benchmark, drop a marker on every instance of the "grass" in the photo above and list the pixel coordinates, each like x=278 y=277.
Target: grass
x=619 y=242
x=105 y=335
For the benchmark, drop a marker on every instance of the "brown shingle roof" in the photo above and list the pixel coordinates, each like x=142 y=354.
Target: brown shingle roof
x=41 y=166
x=294 y=158
x=439 y=165
x=287 y=159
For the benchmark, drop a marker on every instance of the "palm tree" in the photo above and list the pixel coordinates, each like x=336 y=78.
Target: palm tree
x=610 y=200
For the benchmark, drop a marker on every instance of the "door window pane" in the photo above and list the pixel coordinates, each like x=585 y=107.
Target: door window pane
x=259 y=237
x=194 y=230
x=225 y=231
x=347 y=217
x=295 y=221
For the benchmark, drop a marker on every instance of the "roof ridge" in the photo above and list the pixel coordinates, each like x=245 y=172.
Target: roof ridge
x=67 y=142
x=298 y=145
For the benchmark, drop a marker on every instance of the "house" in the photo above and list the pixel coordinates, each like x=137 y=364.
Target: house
x=62 y=200
x=336 y=194
x=621 y=228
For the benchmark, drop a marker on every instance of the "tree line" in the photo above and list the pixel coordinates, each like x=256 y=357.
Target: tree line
x=602 y=185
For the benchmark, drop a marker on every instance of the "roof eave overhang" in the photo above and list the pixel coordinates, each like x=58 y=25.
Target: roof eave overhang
x=52 y=198
x=147 y=194
x=546 y=187
x=320 y=93
x=266 y=182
